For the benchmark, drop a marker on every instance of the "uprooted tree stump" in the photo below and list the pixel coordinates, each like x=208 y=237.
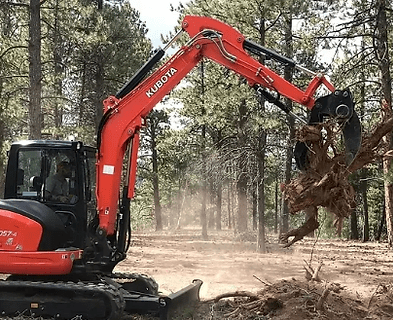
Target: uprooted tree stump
x=325 y=182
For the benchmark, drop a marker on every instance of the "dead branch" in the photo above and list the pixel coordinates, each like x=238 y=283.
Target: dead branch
x=309 y=270
x=246 y=294
x=299 y=233
x=315 y=276
x=322 y=299
x=233 y=313
x=372 y=296
x=262 y=281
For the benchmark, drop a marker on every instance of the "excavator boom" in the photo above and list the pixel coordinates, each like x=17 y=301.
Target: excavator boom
x=211 y=39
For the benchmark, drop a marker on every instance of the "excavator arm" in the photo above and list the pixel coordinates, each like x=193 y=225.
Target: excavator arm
x=125 y=113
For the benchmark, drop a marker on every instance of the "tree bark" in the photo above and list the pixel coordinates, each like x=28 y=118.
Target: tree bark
x=229 y=205
x=261 y=245
x=354 y=226
x=255 y=207
x=57 y=57
x=156 y=188
x=219 y=206
x=382 y=55
x=204 y=168
x=99 y=86
x=288 y=75
x=2 y=171
x=211 y=220
x=35 y=72
x=203 y=209
x=241 y=185
x=363 y=190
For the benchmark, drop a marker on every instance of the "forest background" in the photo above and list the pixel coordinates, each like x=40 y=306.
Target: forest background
x=213 y=154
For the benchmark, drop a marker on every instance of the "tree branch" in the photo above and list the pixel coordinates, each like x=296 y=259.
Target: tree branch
x=11 y=48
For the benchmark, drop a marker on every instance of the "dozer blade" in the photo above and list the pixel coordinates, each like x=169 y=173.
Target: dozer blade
x=338 y=105
x=166 y=307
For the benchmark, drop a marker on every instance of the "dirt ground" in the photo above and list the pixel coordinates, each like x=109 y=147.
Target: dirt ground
x=359 y=275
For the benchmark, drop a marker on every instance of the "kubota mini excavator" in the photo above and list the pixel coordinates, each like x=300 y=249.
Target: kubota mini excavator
x=58 y=253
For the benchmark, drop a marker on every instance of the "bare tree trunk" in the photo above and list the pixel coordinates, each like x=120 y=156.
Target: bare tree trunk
x=219 y=206
x=261 y=245
x=363 y=190
x=57 y=57
x=276 y=208
x=181 y=200
x=242 y=217
x=2 y=173
x=381 y=223
x=99 y=88
x=204 y=168
x=211 y=220
x=254 y=207
x=241 y=184
x=382 y=55
x=35 y=73
x=229 y=205
x=156 y=190
x=354 y=226
x=288 y=75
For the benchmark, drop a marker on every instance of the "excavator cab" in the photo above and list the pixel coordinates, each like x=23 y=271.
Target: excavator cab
x=33 y=177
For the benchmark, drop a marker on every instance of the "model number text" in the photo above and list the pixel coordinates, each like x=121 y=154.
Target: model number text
x=8 y=233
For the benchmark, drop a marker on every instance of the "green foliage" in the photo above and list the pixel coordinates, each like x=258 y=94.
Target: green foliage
x=89 y=54
x=83 y=50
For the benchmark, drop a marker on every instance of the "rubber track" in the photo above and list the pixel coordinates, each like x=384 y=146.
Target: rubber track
x=150 y=282
x=60 y=292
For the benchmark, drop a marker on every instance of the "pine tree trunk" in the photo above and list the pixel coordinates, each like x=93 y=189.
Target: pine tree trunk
x=354 y=226
x=255 y=207
x=241 y=184
x=57 y=57
x=276 y=209
x=211 y=221
x=204 y=188
x=241 y=187
x=204 y=167
x=381 y=224
x=35 y=73
x=2 y=171
x=156 y=191
x=219 y=206
x=261 y=245
x=363 y=186
x=99 y=88
x=382 y=55
x=288 y=75
x=229 y=205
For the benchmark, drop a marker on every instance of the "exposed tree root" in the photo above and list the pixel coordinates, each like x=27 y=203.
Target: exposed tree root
x=325 y=183
x=299 y=233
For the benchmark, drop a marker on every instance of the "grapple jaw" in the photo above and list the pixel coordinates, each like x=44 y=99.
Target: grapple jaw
x=340 y=106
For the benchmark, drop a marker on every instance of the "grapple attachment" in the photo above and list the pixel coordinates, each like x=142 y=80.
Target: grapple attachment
x=338 y=105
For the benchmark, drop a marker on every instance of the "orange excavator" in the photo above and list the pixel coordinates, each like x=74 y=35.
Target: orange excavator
x=58 y=251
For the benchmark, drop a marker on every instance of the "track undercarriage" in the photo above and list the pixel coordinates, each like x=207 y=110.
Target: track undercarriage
x=105 y=297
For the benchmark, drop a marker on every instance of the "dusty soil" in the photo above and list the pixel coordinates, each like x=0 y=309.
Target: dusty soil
x=359 y=275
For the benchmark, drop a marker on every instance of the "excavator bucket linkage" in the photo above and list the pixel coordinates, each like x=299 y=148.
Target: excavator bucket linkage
x=338 y=105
